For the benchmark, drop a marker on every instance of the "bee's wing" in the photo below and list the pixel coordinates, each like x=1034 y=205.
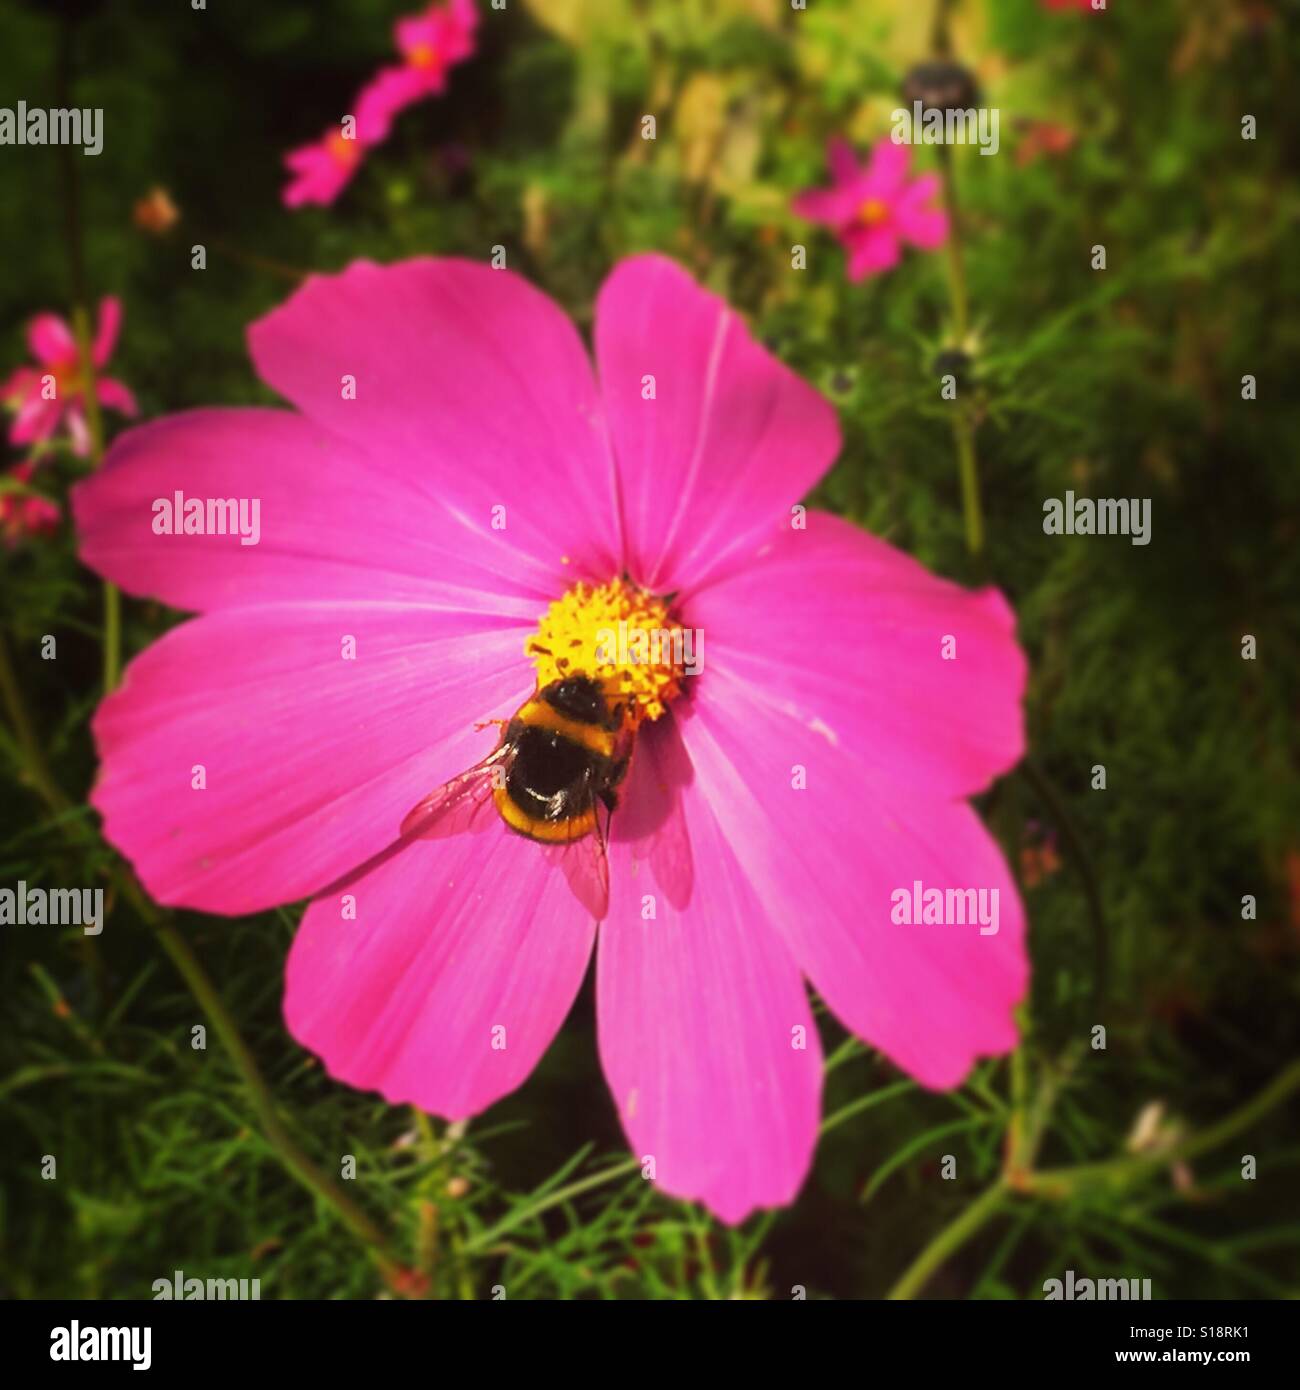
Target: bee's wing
x=586 y=866
x=464 y=803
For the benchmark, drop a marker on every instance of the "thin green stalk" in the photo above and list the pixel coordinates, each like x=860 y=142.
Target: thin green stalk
x=1060 y=813
x=1057 y=1184
x=949 y=1241
x=291 y=1155
x=963 y=429
x=34 y=765
x=552 y=1199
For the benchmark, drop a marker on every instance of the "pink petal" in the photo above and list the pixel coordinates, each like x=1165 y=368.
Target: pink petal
x=470 y=383
x=25 y=382
x=917 y=221
x=887 y=169
x=389 y=92
x=413 y=31
x=116 y=395
x=51 y=340
x=78 y=430
x=319 y=176
x=311 y=759
x=825 y=860
x=110 y=322
x=463 y=959
x=651 y=819
x=731 y=439
x=37 y=419
x=842 y=160
x=872 y=250
x=332 y=524
x=846 y=634
x=699 y=1014
x=832 y=207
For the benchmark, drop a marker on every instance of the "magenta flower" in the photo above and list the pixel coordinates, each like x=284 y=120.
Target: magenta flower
x=1068 y=5
x=875 y=209
x=431 y=44
x=24 y=514
x=53 y=393
x=456 y=483
x=435 y=41
x=322 y=170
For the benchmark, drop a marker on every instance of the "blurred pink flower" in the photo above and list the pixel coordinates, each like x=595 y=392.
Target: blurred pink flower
x=873 y=208
x=25 y=514
x=431 y=44
x=1067 y=5
x=823 y=760
x=54 y=392
x=322 y=170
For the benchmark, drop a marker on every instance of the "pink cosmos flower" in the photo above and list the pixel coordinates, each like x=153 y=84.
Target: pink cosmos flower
x=413 y=534
x=431 y=44
x=26 y=514
x=875 y=209
x=1068 y=5
x=323 y=169
x=54 y=392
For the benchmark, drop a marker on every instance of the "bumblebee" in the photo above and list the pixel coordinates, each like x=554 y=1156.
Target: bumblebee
x=560 y=759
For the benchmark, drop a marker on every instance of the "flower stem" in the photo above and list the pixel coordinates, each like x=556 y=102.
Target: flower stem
x=1060 y=1183
x=949 y=1241
x=963 y=427
x=298 y=1164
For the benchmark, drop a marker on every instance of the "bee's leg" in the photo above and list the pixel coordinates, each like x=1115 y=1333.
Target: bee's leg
x=487 y=723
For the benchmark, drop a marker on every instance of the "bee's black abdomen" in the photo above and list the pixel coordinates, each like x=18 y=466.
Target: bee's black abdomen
x=549 y=778
x=577 y=697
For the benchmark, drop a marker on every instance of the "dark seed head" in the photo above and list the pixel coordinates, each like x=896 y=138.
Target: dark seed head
x=941 y=85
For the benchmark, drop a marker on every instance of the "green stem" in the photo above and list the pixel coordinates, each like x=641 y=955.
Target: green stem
x=34 y=765
x=968 y=471
x=527 y=1211
x=963 y=428
x=1120 y=1172
x=291 y=1155
x=1041 y=784
x=1059 y=1183
x=949 y=1241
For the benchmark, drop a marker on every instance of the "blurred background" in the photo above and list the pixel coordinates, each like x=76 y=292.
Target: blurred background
x=1121 y=128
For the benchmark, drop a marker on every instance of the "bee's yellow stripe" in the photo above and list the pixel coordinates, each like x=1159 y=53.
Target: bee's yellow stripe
x=539 y=715
x=551 y=832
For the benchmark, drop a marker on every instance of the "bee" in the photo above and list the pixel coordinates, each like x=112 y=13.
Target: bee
x=558 y=764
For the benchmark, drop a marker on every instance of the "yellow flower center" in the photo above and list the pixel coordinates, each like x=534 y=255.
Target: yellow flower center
x=873 y=212
x=622 y=637
x=423 y=55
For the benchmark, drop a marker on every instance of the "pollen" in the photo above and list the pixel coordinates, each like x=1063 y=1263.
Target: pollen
x=622 y=637
x=342 y=149
x=873 y=212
